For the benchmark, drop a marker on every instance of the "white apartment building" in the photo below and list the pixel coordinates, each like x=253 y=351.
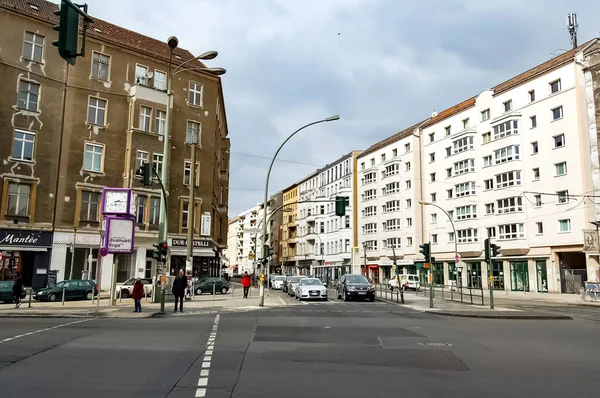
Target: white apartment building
x=389 y=215
x=325 y=240
x=512 y=164
x=243 y=242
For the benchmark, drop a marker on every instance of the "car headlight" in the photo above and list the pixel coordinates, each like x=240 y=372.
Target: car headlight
x=352 y=288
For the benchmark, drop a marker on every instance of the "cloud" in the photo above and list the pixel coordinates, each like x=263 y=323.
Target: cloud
x=381 y=64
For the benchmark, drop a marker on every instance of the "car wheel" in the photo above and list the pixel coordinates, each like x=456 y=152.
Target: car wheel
x=224 y=290
x=198 y=291
x=124 y=293
x=372 y=298
x=52 y=297
x=89 y=295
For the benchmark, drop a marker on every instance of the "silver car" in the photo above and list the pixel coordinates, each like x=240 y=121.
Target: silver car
x=311 y=289
x=293 y=284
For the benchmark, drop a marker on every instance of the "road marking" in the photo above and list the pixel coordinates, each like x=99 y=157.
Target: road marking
x=45 y=330
x=204 y=372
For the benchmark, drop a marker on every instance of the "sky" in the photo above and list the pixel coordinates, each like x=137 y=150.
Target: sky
x=382 y=65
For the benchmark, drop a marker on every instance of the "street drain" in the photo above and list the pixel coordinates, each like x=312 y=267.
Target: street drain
x=436 y=344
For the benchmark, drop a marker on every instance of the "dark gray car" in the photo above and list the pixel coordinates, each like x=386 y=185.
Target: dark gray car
x=355 y=287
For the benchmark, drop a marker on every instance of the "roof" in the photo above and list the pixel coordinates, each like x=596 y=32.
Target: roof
x=445 y=114
x=103 y=31
x=390 y=140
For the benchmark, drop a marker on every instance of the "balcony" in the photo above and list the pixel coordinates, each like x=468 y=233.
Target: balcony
x=145 y=93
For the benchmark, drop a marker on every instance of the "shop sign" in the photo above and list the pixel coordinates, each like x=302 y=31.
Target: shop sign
x=15 y=237
x=183 y=243
x=119 y=235
x=205 y=224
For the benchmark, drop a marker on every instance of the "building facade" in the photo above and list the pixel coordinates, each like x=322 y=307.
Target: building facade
x=244 y=247
x=275 y=212
x=77 y=129
x=389 y=216
x=289 y=230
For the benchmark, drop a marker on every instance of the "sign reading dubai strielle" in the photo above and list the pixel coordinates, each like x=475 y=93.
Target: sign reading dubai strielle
x=118 y=207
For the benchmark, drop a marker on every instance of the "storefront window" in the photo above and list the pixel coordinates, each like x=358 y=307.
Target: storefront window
x=519 y=276
x=498 y=274
x=438 y=273
x=541 y=276
x=474 y=271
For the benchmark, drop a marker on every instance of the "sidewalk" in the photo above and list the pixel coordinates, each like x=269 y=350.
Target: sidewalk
x=458 y=309
x=232 y=301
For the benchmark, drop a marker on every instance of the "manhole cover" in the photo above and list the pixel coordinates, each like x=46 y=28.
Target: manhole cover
x=436 y=344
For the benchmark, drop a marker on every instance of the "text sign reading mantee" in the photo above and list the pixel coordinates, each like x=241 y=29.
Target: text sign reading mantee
x=119 y=235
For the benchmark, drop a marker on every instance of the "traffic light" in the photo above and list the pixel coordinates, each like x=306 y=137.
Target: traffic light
x=145 y=172
x=491 y=250
x=68 y=31
x=163 y=249
x=340 y=205
x=156 y=253
x=426 y=251
x=495 y=250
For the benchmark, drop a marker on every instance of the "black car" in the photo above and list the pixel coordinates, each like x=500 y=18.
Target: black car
x=73 y=289
x=6 y=293
x=355 y=286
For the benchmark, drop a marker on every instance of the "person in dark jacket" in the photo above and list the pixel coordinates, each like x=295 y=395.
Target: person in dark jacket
x=17 y=290
x=179 y=285
x=137 y=294
x=246 y=283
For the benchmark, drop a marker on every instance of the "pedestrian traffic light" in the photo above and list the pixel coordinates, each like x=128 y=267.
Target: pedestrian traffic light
x=495 y=250
x=156 y=252
x=68 y=30
x=491 y=250
x=163 y=248
x=145 y=172
x=425 y=251
x=340 y=205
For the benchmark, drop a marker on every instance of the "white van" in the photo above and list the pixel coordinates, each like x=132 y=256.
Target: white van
x=411 y=280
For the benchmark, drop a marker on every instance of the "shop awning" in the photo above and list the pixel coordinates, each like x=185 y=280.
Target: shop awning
x=373 y=266
x=23 y=249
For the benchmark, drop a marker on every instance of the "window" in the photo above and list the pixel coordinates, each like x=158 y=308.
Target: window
x=392 y=225
x=507 y=106
x=18 y=199
x=23 y=145
x=382 y=157
x=394 y=153
x=536 y=174
x=488 y=184
x=491 y=232
x=100 y=66
x=465 y=123
x=391 y=170
x=141 y=209
x=369 y=194
x=154 y=211
x=96 y=111
x=407 y=166
x=505 y=129
x=511 y=231
x=534 y=148
x=432 y=157
x=161 y=122
x=465 y=189
x=370 y=211
x=487 y=137
x=407 y=148
x=90 y=203
x=371 y=245
x=540 y=228
x=141 y=157
x=466 y=212
x=563 y=196
x=145 y=118
x=467 y=235
x=370 y=228
x=487 y=161
x=92 y=160
x=431 y=137
x=555 y=86
x=463 y=144
x=561 y=168
x=391 y=188
x=141 y=75
x=408 y=184
x=392 y=243
x=531 y=95
x=185 y=207
x=464 y=166
x=448 y=130
x=432 y=177
x=434 y=238
x=160 y=80
x=408 y=203
x=433 y=197
x=510 y=205
x=449 y=193
x=409 y=222
x=434 y=218
x=485 y=115
x=448 y=151
x=451 y=237
x=347 y=221
x=409 y=241
x=448 y=173
x=538 y=200
x=506 y=154
x=195 y=94
x=533 y=120
x=559 y=141
x=557 y=113
x=508 y=179
x=370 y=178
x=33 y=47
x=564 y=225
x=372 y=162
x=192 y=134
x=29 y=95
x=362 y=166
x=157 y=163
x=489 y=208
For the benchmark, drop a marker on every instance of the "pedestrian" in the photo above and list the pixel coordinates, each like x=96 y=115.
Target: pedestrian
x=179 y=285
x=137 y=294
x=246 y=283
x=17 y=290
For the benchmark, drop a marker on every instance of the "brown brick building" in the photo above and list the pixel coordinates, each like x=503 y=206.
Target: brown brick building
x=69 y=131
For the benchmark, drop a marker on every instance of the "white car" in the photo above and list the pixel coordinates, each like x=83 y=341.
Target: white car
x=293 y=284
x=125 y=289
x=311 y=289
x=277 y=282
x=411 y=280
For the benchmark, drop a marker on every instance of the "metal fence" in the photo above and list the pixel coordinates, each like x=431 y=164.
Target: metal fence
x=468 y=295
x=384 y=292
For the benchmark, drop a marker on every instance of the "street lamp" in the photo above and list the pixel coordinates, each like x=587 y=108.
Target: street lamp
x=423 y=203
x=261 y=300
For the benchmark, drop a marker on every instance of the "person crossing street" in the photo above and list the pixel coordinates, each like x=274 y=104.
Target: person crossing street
x=246 y=283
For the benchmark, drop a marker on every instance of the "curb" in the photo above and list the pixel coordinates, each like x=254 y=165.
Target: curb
x=52 y=315
x=503 y=316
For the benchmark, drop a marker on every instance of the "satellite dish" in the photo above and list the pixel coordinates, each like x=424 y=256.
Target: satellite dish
x=149 y=74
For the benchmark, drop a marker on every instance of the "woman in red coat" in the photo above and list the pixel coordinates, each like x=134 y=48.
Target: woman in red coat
x=137 y=294
x=246 y=283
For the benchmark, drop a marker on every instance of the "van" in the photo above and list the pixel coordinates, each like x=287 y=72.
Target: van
x=411 y=280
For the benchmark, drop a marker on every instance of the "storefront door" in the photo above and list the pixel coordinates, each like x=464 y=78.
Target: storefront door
x=474 y=271
x=519 y=276
x=541 y=276
x=11 y=264
x=498 y=274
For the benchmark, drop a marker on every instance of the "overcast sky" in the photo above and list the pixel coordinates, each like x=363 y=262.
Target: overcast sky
x=382 y=65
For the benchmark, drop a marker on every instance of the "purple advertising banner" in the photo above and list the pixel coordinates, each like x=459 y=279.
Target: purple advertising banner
x=119 y=235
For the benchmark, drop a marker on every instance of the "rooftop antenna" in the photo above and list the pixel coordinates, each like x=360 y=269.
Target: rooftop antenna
x=572 y=26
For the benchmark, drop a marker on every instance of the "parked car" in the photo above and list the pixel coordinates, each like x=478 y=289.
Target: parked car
x=293 y=284
x=74 y=290
x=277 y=282
x=205 y=285
x=286 y=284
x=411 y=281
x=311 y=289
x=355 y=286
x=126 y=288
x=6 y=292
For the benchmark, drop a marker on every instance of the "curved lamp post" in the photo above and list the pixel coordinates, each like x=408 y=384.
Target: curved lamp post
x=261 y=300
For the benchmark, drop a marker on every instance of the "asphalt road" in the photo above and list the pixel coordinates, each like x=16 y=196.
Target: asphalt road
x=330 y=349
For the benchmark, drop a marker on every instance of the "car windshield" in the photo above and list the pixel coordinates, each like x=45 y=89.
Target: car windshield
x=279 y=278
x=59 y=284
x=295 y=279
x=129 y=281
x=356 y=279
x=6 y=284
x=310 y=282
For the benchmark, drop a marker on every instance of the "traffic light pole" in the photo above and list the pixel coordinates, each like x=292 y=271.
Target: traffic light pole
x=489 y=250
x=431 y=277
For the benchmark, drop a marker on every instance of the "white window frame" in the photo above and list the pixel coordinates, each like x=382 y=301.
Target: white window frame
x=559 y=86
x=392 y=206
x=145 y=123
x=509 y=205
x=369 y=194
x=31 y=56
x=160 y=84
x=540 y=228
x=464 y=166
x=468 y=235
x=560 y=110
x=507 y=154
x=560 y=224
x=391 y=170
x=101 y=67
x=393 y=224
x=141 y=79
x=504 y=129
x=160 y=121
x=462 y=144
x=466 y=212
x=90 y=148
x=557 y=166
x=485 y=115
x=195 y=94
x=370 y=228
x=157 y=163
x=391 y=188
x=561 y=143
x=508 y=179
x=141 y=157
x=370 y=211
x=31 y=100
x=27 y=140
x=18 y=196
x=511 y=231
x=370 y=178
x=465 y=189
x=95 y=107
x=190 y=129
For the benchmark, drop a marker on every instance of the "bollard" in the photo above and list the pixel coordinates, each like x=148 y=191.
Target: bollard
x=214 y=293
x=30 y=296
x=402 y=294
x=63 y=296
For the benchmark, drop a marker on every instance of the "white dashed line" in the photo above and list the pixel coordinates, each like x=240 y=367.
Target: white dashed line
x=205 y=371
x=45 y=330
